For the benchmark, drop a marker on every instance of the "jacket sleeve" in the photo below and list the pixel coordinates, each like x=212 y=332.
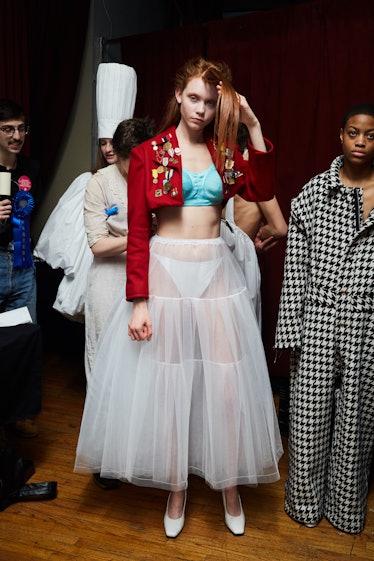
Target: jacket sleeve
x=94 y=204
x=139 y=220
x=258 y=180
x=289 y=329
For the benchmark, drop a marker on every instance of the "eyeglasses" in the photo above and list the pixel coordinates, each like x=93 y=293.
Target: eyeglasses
x=9 y=130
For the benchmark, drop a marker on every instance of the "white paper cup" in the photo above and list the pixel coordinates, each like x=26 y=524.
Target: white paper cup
x=5 y=182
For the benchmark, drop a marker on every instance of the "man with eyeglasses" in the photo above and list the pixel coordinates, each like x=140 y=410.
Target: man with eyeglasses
x=17 y=271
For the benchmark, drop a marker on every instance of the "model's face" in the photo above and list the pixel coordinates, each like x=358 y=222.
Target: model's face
x=197 y=103
x=106 y=148
x=358 y=139
x=11 y=144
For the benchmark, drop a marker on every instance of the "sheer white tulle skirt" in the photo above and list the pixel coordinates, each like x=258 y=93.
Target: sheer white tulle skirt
x=196 y=399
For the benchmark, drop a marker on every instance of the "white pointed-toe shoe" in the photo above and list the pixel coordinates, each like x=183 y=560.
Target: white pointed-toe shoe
x=235 y=524
x=174 y=526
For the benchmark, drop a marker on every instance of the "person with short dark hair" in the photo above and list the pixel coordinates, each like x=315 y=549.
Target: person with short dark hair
x=17 y=270
x=326 y=319
x=17 y=285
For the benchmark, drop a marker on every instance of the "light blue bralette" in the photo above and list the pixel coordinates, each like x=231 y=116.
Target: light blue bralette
x=203 y=188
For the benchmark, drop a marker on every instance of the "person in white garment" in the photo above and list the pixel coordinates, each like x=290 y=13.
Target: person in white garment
x=63 y=242
x=105 y=221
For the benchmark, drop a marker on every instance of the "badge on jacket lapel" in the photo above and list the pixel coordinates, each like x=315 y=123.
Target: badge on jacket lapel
x=165 y=155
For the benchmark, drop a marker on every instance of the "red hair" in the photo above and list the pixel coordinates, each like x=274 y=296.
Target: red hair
x=227 y=110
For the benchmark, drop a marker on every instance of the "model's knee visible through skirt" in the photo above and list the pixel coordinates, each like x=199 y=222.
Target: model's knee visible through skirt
x=197 y=397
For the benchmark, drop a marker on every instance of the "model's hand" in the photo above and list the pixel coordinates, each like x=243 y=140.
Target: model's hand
x=247 y=116
x=5 y=209
x=250 y=120
x=264 y=243
x=140 y=324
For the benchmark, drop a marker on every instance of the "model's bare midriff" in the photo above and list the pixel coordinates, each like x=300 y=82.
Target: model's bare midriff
x=189 y=222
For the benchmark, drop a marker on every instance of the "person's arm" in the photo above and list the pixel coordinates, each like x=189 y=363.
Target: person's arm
x=96 y=225
x=140 y=222
x=274 y=226
x=257 y=162
x=137 y=266
x=110 y=246
x=289 y=329
x=253 y=125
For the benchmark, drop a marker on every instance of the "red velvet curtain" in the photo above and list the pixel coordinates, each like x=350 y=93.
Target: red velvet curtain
x=301 y=67
x=14 y=49
x=156 y=57
x=41 y=47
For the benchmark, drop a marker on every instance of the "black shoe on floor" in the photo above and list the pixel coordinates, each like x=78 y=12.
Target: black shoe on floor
x=105 y=482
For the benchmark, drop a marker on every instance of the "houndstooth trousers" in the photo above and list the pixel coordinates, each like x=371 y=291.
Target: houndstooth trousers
x=326 y=317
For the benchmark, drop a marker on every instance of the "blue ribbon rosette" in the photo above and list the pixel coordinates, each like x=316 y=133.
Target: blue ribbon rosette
x=23 y=204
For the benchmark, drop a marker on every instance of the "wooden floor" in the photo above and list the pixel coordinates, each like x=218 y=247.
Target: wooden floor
x=86 y=523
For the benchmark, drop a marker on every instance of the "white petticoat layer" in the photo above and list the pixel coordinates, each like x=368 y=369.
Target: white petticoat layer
x=196 y=399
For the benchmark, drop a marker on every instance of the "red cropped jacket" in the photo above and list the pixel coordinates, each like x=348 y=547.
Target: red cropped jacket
x=155 y=180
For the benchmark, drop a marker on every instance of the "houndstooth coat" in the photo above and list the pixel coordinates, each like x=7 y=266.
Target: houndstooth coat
x=326 y=318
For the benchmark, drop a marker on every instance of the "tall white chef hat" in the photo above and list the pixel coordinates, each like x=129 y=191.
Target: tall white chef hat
x=115 y=96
